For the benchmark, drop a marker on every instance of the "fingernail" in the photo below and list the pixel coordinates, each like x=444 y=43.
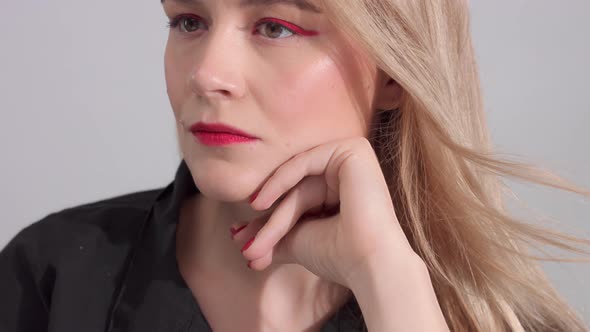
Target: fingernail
x=248 y=244
x=253 y=197
x=236 y=231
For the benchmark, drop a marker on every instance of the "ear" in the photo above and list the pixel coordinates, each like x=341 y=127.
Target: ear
x=388 y=92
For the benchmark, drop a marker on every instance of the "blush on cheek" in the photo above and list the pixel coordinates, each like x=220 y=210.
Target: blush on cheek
x=311 y=87
x=319 y=107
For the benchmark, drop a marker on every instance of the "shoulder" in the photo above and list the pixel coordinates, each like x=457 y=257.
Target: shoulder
x=68 y=257
x=107 y=223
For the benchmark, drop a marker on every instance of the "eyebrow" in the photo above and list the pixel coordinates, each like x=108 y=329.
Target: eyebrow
x=301 y=4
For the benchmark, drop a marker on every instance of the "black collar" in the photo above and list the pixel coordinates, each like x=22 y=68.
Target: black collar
x=175 y=193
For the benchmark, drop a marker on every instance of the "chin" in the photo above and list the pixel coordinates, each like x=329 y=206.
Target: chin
x=225 y=184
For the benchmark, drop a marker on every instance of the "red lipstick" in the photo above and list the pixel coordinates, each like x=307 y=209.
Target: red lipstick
x=216 y=134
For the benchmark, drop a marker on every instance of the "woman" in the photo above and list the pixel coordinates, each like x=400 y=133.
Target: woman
x=336 y=176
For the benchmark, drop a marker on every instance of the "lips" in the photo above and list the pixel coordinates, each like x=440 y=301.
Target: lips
x=218 y=128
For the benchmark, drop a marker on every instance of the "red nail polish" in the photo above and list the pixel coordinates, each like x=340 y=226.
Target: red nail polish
x=236 y=231
x=253 y=197
x=248 y=244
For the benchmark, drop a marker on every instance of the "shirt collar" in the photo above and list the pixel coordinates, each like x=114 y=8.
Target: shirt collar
x=171 y=198
x=153 y=295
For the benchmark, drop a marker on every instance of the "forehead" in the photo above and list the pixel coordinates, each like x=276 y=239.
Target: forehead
x=306 y=5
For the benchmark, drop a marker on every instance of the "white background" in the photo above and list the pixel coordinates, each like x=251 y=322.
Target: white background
x=84 y=113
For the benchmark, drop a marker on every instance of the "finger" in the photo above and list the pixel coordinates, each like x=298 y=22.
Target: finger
x=309 y=163
x=310 y=244
x=309 y=193
x=246 y=233
x=263 y=262
x=361 y=182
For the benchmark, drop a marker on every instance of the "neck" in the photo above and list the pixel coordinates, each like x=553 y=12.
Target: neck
x=205 y=251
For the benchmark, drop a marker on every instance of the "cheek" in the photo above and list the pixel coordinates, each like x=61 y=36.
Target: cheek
x=174 y=72
x=313 y=99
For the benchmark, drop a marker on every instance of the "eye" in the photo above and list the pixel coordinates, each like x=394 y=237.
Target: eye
x=186 y=23
x=271 y=28
x=274 y=30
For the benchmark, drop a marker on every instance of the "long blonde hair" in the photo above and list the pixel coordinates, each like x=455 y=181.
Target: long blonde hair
x=444 y=178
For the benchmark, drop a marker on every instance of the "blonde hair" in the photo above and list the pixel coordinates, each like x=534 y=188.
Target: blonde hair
x=444 y=178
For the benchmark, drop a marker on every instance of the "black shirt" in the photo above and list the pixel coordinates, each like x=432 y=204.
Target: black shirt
x=109 y=265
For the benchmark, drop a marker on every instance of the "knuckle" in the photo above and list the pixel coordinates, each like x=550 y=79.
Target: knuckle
x=363 y=144
x=356 y=146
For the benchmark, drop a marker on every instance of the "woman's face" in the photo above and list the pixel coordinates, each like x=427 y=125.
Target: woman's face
x=280 y=72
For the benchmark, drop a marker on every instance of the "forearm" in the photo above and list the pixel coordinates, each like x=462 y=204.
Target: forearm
x=397 y=296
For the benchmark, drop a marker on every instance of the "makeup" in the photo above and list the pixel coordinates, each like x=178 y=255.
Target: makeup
x=219 y=139
x=288 y=25
x=218 y=134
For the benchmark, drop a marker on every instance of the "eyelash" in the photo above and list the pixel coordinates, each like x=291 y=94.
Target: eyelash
x=290 y=27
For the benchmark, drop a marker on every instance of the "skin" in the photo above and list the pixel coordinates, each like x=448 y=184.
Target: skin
x=291 y=92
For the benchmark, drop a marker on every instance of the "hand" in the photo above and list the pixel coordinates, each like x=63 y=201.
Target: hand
x=343 y=176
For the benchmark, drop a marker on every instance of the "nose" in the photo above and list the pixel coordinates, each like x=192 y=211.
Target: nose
x=216 y=71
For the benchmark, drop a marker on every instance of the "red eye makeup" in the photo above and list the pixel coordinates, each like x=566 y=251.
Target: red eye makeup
x=289 y=26
x=197 y=22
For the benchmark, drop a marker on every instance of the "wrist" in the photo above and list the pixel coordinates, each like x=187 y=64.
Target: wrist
x=397 y=295
x=385 y=266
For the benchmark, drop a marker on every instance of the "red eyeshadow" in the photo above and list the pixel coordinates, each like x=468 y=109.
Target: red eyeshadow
x=291 y=26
